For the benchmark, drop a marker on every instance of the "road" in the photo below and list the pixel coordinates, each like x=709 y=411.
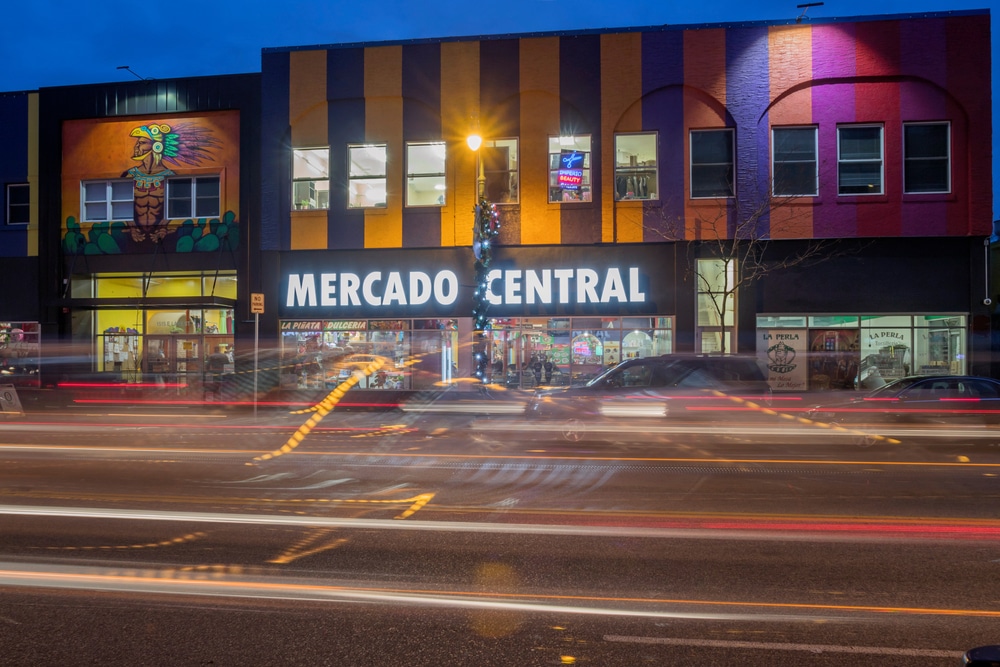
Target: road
x=205 y=537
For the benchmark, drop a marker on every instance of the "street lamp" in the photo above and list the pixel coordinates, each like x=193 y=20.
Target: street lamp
x=484 y=230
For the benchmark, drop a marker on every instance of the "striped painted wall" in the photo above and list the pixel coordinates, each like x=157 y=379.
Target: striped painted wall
x=887 y=70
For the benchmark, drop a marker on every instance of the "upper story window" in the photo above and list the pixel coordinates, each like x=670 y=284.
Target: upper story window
x=311 y=178
x=793 y=162
x=107 y=200
x=926 y=157
x=569 y=168
x=425 y=183
x=18 y=204
x=193 y=197
x=859 y=160
x=635 y=166
x=500 y=166
x=712 y=163
x=366 y=178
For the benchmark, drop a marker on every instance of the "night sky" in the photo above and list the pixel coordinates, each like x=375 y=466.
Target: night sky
x=57 y=42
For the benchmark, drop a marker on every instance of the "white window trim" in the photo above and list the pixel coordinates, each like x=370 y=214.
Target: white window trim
x=384 y=177
x=655 y=169
x=108 y=200
x=732 y=140
x=492 y=143
x=326 y=177
x=815 y=160
x=881 y=160
x=948 y=187
x=548 y=170
x=194 y=197
x=442 y=174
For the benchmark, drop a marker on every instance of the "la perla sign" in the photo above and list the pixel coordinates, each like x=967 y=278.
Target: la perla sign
x=504 y=287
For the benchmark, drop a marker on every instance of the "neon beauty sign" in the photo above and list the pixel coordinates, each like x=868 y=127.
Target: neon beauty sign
x=571 y=174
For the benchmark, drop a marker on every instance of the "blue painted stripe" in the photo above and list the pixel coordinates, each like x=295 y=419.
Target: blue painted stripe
x=345 y=85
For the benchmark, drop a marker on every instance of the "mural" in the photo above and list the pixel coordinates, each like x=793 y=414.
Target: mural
x=178 y=192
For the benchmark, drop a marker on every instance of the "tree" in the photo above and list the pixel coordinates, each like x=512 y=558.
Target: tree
x=731 y=244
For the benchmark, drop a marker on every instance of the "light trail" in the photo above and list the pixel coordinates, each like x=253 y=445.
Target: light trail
x=224 y=585
x=812 y=530
x=371 y=456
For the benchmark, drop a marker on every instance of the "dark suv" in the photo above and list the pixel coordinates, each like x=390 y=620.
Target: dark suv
x=673 y=385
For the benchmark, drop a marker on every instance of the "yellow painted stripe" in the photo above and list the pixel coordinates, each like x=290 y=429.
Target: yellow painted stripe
x=460 y=114
x=384 y=124
x=307 y=107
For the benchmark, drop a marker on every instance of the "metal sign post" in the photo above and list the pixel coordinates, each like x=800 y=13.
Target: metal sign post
x=256 y=307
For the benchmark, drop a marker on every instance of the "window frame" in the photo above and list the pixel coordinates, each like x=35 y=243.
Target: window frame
x=946 y=158
x=367 y=178
x=313 y=202
x=19 y=207
x=841 y=161
x=194 y=198
x=442 y=175
x=513 y=173
x=109 y=200
x=775 y=162
x=731 y=164
x=654 y=191
x=586 y=182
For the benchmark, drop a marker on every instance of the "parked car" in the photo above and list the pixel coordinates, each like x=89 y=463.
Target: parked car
x=919 y=398
x=676 y=386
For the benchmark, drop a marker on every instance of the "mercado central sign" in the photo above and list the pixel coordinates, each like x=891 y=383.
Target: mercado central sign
x=435 y=283
x=415 y=288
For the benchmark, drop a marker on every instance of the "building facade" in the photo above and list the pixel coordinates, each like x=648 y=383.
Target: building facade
x=147 y=195
x=818 y=194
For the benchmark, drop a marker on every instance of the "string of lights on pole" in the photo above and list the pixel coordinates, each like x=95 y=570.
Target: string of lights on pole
x=484 y=233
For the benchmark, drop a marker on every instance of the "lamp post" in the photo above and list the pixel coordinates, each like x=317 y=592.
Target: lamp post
x=484 y=230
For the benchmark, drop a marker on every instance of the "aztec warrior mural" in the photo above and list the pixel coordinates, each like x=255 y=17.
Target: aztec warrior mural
x=164 y=184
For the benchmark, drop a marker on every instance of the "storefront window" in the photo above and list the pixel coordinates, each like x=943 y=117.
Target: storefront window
x=19 y=354
x=861 y=352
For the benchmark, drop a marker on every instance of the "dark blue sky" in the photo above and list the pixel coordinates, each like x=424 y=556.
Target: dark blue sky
x=58 y=42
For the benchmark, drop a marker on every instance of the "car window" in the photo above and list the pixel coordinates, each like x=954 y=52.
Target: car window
x=636 y=375
x=699 y=378
x=982 y=389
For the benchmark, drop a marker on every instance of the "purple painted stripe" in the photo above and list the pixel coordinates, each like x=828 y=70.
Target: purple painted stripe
x=832 y=102
x=663 y=110
x=276 y=158
x=422 y=122
x=345 y=85
x=747 y=93
x=921 y=45
x=499 y=103
x=579 y=87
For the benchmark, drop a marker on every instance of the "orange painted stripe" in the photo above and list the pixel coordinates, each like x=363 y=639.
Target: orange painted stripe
x=790 y=55
x=621 y=111
x=704 y=107
x=539 y=76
